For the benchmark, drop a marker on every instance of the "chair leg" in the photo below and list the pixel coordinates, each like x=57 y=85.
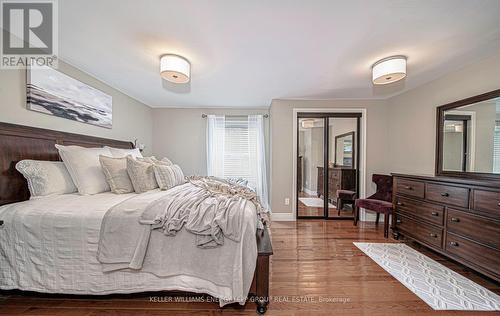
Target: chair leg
x=339 y=206
x=377 y=218
x=386 y=225
x=356 y=214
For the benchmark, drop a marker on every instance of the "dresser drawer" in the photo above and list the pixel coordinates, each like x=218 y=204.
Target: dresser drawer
x=477 y=254
x=475 y=227
x=335 y=173
x=410 y=187
x=487 y=202
x=426 y=211
x=447 y=194
x=419 y=231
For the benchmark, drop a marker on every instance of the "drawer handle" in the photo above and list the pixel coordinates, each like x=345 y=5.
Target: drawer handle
x=498 y=204
x=401 y=204
x=408 y=187
x=445 y=194
x=455 y=219
x=435 y=214
x=399 y=221
x=433 y=235
x=454 y=243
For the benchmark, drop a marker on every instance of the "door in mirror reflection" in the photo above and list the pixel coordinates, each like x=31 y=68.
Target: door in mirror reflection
x=310 y=162
x=456 y=142
x=471 y=138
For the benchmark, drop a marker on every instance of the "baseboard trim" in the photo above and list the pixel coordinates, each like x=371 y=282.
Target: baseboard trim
x=282 y=217
x=290 y=217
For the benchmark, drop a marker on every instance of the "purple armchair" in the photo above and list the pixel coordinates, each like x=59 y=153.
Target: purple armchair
x=380 y=202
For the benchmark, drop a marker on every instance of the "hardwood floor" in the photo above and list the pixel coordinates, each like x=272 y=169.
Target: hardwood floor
x=313 y=260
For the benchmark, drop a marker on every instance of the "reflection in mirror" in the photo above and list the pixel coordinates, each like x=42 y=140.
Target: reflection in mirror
x=471 y=138
x=310 y=162
x=342 y=171
x=344 y=150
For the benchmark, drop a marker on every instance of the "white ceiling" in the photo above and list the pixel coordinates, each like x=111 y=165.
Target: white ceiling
x=244 y=53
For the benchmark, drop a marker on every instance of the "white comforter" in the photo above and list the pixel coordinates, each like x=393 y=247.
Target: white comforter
x=50 y=244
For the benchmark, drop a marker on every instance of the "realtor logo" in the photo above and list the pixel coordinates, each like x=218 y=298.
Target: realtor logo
x=29 y=33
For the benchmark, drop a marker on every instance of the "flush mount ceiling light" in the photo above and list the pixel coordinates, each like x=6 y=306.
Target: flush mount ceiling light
x=175 y=68
x=307 y=123
x=389 y=70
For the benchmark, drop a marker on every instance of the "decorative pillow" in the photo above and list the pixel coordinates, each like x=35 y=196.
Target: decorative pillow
x=168 y=176
x=164 y=161
x=46 y=177
x=122 y=153
x=141 y=174
x=84 y=167
x=238 y=181
x=115 y=170
x=146 y=159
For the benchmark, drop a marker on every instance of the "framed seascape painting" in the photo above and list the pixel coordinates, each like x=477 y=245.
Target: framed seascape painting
x=52 y=92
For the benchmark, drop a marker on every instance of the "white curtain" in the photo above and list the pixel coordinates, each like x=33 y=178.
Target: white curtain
x=236 y=149
x=257 y=155
x=215 y=145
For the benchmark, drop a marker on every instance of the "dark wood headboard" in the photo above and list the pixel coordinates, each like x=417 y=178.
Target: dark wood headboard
x=19 y=142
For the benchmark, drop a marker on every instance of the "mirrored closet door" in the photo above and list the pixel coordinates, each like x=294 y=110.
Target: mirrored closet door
x=342 y=165
x=327 y=164
x=310 y=163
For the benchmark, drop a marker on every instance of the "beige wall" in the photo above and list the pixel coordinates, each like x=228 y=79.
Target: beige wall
x=180 y=135
x=400 y=131
x=281 y=116
x=131 y=118
x=413 y=114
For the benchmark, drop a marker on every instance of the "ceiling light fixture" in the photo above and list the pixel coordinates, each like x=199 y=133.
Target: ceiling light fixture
x=389 y=70
x=175 y=68
x=307 y=123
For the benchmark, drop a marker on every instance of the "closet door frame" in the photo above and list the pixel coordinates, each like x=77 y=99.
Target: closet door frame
x=326 y=144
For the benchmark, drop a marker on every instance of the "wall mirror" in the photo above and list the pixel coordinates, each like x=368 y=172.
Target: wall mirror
x=344 y=150
x=468 y=137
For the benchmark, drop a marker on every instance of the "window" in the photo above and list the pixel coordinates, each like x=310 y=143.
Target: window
x=236 y=149
x=496 y=149
x=239 y=142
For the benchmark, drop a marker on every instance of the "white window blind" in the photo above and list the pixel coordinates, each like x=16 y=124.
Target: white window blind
x=240 y=143
x=496 y=149
x=236 y=149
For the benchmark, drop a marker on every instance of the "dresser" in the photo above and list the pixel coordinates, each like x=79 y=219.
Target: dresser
x=338 y=179
x=456 y=217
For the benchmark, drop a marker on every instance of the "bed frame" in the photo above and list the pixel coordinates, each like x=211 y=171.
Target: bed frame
x=19 y=142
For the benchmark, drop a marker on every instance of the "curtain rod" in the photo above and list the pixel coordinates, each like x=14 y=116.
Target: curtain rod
x=206 y=115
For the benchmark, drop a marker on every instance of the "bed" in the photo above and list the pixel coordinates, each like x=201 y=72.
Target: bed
x=49 y=244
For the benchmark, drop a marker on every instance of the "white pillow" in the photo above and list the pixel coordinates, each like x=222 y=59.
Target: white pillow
x=168 y=176
x=46 y=177
x=84 y=167
x=141 y=174
x=115 y=170
x=122 y=153
x=164 y=161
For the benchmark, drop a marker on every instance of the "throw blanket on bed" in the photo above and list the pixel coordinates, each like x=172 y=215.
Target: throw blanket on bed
x=210 y=217
x=211 y=210
x=137 y=235
x=222 y=187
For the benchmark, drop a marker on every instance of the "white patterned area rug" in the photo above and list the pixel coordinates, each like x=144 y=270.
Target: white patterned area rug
x=438 y=286
x=314 y=202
